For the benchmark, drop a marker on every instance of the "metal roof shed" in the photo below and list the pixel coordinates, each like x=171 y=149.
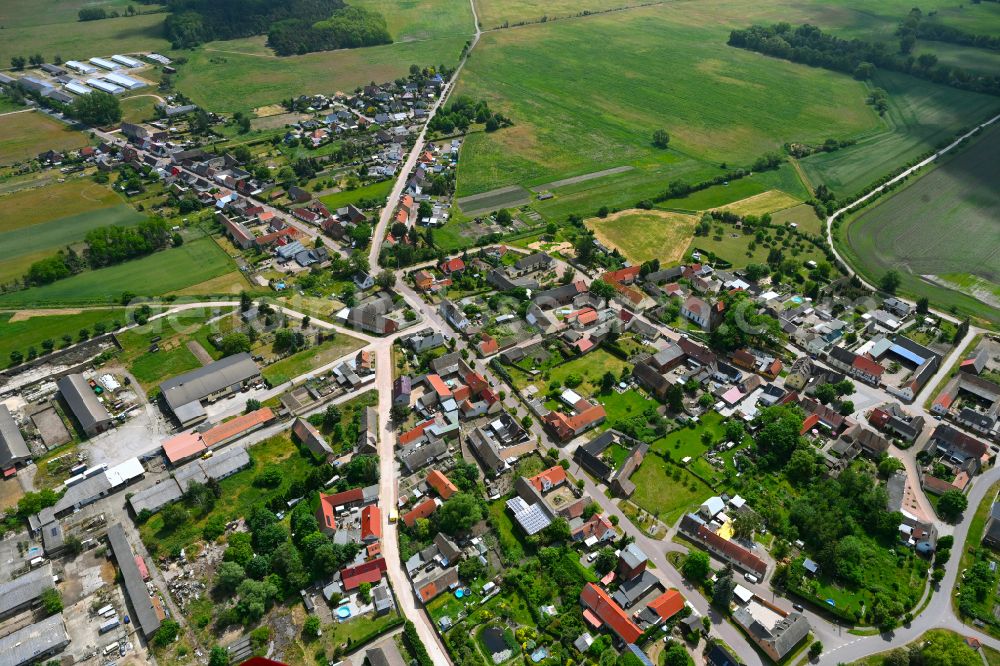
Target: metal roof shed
x=134 y=585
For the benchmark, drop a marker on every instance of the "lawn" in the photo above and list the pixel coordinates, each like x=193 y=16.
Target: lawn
x=733 y=246
x=589 y=369
x=975 y=534
x=417 y=20
x=239 y=492
x=36 y=223
x=802 y=215
x=29 y=331
x=302 y=362
x=941 y=223
x=138 y=109
x=666 y=490
x=193 y=263
x=580 y=114
x=961 y=656
x=642 y=235
x=687 y=441
x=25 y=135
x=921 y=116
x=379 y=191
x=784 y=178
x=172 y=333
x=624 y=405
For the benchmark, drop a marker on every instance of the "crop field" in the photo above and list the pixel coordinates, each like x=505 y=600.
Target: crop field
x=36 y=223
x=717 y=103
x=21 y=330
x=240 y=74
x=195 y=262
x=494 y=13
x=921 y=116
x=642 y=235
x=941 y=223
x=25 y=135
x=505 y=197
x=766 y=202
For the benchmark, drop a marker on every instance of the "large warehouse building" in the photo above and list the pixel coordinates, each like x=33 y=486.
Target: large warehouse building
x=185 y=393
x=81 y=400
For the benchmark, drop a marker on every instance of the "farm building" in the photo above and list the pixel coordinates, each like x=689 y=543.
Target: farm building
x=81 y=400
x=81 y=67
x=33 y=643
x=77 y=88
x=185 y=393
x=156 y=57
x=124 y=81
x=105 y=64
x=13 y=450
x=125 y=60
x=104 y=86
x=23 y=591
x=135 y=586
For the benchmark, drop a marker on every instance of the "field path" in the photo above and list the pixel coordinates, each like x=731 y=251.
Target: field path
x=802 y=175
x=11 y=113
x=580 y=179
x=881 y=188
x=24 y=315
x=199 y=352
x=156 y=97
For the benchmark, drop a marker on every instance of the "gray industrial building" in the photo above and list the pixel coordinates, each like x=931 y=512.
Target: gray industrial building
x=23 y=591
x=135 y=586
x=185 y=393
x=81 y=400
x=35 y=642
x=13 y=450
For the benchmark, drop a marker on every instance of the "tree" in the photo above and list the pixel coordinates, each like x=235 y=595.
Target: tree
x=167 y=633
x=826 y=393
x=385 y=279
x=51 y=601
x=815 y=650
x=18 y=62
x=676 y=655
x=97 y=108
x=923 y=305
x=234 y=343
x=229 y=576
x=602 y=289
x=888 y=465
x=890 y=281
x=174 y=516
x=608 y=381
x=503 y=217
x=470 y=569
x=660 y=138
x=697 y=566
x=745 y=524
x=311 y=627
x=951 y=504
x=675 y=398
x=722 y=591
x=605 y=560
x=218 y=656
x=459 y=513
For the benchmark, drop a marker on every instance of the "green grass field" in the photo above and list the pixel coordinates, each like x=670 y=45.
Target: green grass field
x=69 y=38
x=30 y=332
x=642 y=235
x=611 y=80
x=25 y=135
x=243 y=74
x=803 y=215
x=921 y=116
x=194 y=262
x=666 y=490
x=378 y=191
x=941 y=223
x=302 y=362
x=138 y=109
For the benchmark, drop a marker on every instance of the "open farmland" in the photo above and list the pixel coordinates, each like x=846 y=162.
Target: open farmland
x=242 y=74
x=941 y=223
x=25 y=135
x=921 y=116
x=378 y=191
x=642 y=235
x=195 y=262
x=36 y=223
x=718 y=104
x=69 y=38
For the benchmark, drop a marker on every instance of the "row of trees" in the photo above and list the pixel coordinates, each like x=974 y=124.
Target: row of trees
x=347 y=28
x=915 y=26
x=809 y=45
